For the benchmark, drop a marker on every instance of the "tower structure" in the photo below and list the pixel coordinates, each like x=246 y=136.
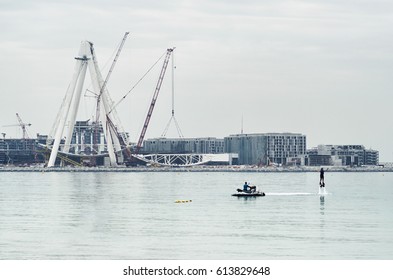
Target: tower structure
x=107 y=115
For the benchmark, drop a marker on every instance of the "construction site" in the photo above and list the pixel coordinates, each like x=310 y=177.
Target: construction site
x=102 y=141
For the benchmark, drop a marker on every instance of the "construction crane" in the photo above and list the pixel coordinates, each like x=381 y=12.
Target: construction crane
x=97 y=119
x=22 y=125
x=109 y=74
x=153 y=101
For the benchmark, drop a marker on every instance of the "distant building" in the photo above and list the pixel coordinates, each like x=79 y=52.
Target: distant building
x=267 y=148
x=209 y=145
x=87 y=137
x=242 y=149
x=20 y=151
x=342 y=155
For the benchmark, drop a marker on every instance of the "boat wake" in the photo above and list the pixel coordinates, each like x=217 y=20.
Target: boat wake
x=290 y=194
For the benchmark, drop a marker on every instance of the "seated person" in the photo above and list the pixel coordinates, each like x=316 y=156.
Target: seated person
x=245 y=187
x=248 y=188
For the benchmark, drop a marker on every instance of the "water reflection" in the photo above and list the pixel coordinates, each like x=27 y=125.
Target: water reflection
x=322 y=216
x=246 y=198
x=322 y=203
x=133 y=216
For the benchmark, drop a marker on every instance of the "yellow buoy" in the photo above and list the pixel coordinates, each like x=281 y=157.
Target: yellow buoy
x=183 y=201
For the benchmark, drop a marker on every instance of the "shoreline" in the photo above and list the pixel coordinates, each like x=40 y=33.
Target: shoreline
x=198 y=169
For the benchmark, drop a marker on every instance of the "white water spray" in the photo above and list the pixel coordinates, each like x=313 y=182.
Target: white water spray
x=322 y=191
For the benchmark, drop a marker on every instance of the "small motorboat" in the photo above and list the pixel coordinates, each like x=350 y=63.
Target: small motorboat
x=248 y=193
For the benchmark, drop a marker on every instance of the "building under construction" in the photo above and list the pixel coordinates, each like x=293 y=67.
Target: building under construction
x=23 y=151
x=87 y=141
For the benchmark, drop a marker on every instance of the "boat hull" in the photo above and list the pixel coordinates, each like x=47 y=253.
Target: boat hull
x=242 y=194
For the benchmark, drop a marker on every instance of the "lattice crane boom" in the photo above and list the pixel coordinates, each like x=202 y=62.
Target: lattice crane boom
x=102 y=89
x=110 y=73
x=153 y=101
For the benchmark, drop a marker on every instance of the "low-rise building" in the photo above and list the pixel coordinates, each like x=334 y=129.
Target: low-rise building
x=20 y=151
x=209 y=145
x=267 y=148
x=342 y=155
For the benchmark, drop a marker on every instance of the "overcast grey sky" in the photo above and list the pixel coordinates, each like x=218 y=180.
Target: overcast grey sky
x=321 y=68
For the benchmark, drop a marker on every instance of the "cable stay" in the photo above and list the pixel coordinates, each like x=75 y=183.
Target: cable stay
x=94 y=95
x=176 y=125
x=144 y=75
x=173 y=106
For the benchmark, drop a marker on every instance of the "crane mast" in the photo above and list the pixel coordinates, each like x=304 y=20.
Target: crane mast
x=109 y=74
x=153 y=101
x=97 y=120
x=23 y=126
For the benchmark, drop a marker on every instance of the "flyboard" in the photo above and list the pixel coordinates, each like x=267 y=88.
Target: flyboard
x=322 y=190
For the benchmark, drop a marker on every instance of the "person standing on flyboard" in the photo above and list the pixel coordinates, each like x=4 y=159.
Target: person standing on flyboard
x=322 y=178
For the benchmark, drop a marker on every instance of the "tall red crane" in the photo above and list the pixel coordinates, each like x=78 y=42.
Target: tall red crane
x=153 y=101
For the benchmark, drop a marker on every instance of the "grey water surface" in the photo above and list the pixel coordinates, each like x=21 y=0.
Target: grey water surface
x=134 y=216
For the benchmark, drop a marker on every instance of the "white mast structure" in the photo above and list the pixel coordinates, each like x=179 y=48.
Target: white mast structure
x=68 y=111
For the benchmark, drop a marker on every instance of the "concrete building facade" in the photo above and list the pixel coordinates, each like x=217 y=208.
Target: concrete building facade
x=342 y=155
x=267 y=148
x=209 y=145
x=84 y=135
x=20 y=152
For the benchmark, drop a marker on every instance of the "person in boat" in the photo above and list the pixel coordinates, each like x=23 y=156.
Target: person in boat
x=248 y=188
x=321 y=178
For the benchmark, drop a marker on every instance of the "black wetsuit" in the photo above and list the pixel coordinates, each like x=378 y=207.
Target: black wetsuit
x=322 y=178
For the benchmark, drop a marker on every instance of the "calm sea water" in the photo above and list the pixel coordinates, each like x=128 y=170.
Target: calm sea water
x=134 y=216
